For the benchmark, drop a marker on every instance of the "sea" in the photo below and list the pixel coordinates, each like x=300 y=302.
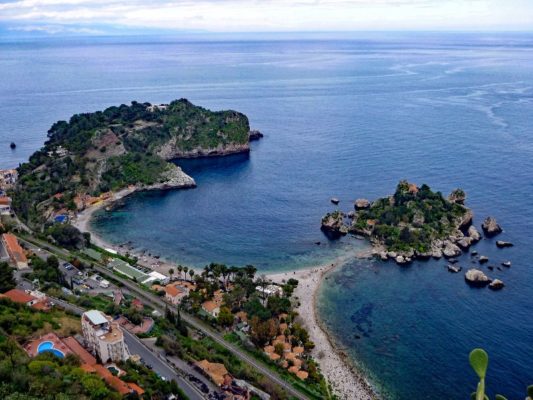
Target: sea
x=346 y=116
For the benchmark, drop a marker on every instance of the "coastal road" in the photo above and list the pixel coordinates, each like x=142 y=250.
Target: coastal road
x=156 y=302
x=136 y=346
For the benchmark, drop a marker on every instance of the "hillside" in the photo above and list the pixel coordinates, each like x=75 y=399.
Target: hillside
x=96 y=153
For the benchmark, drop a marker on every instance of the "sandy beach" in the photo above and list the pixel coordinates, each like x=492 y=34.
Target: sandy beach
x=346 y=381
x=82 y=222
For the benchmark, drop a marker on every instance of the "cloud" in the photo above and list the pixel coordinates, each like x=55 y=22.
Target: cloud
x=271 y=15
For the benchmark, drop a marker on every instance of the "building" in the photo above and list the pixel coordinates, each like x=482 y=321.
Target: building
x=8 y=178
x=174 y=293
x=103 y=336
x=5 y=205
x=63 y=347
x=211 y=308
x=33 y=299
x=14 y=251
x=155 y=276
x=269 y=290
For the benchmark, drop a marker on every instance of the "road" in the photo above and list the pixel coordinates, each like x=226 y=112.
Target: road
x=160 y=305
x=136 y=346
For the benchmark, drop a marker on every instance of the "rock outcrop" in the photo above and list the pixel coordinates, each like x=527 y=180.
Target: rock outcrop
x=333 y=224
x=361 y=204
x=496 y=284
x=173 y=178
x=457 y=196
x=501 y=244
x=506 y=264
x=454 y=268
x=450 y=250
x=474 y=233
x=475 y=277
x=483 y=259
x=254 y=135
x=490 y=227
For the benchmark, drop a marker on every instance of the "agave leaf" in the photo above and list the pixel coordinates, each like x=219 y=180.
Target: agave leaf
x=530 y=391
x=500 y=397
x=479 y=361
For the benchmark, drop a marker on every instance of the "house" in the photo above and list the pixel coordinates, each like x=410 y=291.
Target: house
x=8 y=177
x=35 y=300
x=20 y=296
x=215 y=371
x=137 y=304
x=14 y=251
x=211 y=308
x=5 y=205
x=103 y=336
x=174 y=294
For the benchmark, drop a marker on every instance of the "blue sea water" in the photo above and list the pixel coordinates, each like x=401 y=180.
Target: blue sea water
x=344 y=117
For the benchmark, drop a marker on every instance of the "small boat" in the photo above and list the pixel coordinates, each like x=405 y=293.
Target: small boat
x=335 y=201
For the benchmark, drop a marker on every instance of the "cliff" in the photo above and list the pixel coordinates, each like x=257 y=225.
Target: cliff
x=105 y=151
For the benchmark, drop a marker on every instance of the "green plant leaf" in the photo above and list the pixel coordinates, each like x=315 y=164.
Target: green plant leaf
x=530 y=391
x=479 y=361
x=500 y=397
x=480 y=392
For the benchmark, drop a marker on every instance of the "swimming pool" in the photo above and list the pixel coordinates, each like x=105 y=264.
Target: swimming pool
x=49 y=346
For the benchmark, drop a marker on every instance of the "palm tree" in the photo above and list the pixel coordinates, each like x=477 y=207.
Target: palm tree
x=185 y=269
x=171 y=272
x=191 y=273
x=180 y=268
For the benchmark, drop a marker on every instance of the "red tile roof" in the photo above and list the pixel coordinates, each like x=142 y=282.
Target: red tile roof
x=18 y=296
x=84 y=355
x=13 y=247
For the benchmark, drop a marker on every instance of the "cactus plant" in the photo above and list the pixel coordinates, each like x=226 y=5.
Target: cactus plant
x=479 y=361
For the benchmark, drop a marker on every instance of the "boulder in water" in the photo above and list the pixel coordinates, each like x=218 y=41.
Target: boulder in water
x=490 y=227
x=496 y=284
x=475 y=277
x=501 y=244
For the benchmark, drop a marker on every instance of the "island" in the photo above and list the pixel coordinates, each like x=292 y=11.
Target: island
x=414 y=222
x=128 y=147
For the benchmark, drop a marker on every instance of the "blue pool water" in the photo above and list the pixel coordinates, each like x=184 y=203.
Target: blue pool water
x=345 y=118
x=49 y=346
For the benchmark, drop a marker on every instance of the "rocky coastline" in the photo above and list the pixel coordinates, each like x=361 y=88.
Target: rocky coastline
x=399 y=241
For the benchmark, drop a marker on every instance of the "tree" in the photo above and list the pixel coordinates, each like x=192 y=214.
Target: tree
x=191 y=273
x=180 y=269
x=171 y=272
x=225 y=317
x=7 y=281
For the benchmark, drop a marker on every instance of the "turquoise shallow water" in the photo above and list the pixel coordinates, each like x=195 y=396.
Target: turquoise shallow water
x=343 y=118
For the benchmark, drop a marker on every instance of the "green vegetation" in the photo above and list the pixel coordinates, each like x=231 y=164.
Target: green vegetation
x=45 y=376
x=479 y=361
x=411 y=219
x=108 y=150
x=7 y=281
x=153 y=385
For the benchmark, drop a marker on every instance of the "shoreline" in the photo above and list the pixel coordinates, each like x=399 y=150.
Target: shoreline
x=346 y=380
x=344 y=377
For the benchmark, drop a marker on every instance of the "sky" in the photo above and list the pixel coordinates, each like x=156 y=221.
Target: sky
x=94 y=17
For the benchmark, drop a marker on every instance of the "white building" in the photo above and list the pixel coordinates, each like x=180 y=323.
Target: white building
x=156 y=276
x=269 y=290
x=103 y=337
x=5 y=205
